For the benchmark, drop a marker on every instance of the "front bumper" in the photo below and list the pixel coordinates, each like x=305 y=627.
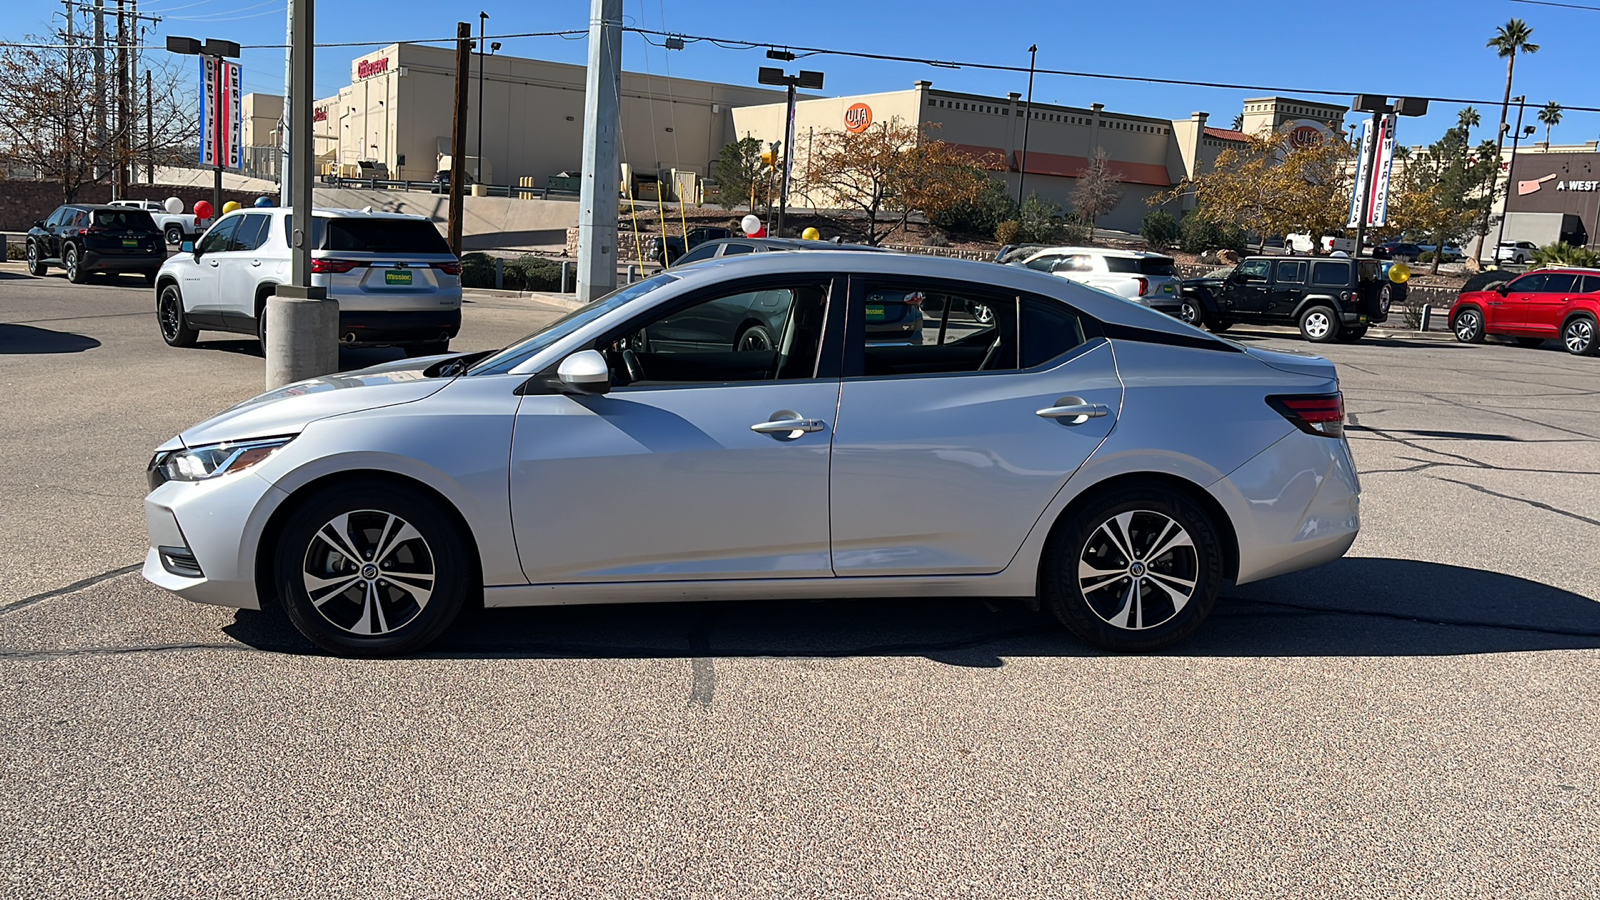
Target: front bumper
x=204 y=534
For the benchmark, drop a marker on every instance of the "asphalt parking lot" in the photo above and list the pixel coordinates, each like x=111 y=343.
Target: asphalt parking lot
x=1416 y=720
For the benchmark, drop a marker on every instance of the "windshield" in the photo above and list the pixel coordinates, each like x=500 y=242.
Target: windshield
x=1219 y=273
x=523 y=350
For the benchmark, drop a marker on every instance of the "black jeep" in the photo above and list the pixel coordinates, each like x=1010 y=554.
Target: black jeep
x=1330 y=299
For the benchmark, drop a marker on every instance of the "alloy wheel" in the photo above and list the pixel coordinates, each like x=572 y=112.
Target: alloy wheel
x=171 y=316
x=1317 y=325
x=754 y=338
x=1578 y=336
x=368 y=572
x=1138 y=570
x=1189 y=313
x=69 y=261
x=1468 y=326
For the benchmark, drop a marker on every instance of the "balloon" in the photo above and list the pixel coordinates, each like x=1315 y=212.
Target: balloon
x=263 y=202
x=1399 y=273
x=202 y=209
x=750 y=225
x=811 y=234
x=173 y=205
x=230 y=206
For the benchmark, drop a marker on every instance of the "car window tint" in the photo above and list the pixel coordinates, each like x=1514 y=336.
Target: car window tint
x=1122 y=264
x=911 y=330
x=772 y=334
x=1558 y=283
x=220 y=237
x=1043 y=263
x=1528 y=284
x=1291 y=272
x=55 y=218
x=1158 y=265
x=1254 y=269
x=703 y=252
x=736 y=249
x=1590 y=284
x=1330 y=273
x=124 y=220
x=1049 y=329
x=252 y=232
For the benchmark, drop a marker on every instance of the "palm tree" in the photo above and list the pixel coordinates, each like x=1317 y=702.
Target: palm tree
x=1468 y=119
x=1509 y=40
x=1550 y=116
x=1238 y=122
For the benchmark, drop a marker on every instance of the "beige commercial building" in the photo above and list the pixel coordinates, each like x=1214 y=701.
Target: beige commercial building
x=1151 y=155
x=395 y=117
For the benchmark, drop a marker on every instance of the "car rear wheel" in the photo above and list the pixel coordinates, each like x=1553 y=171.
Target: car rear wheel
x=69 y=262
x=174 y=235
x=1189 y=312
x=1319 y=325
x=371 y=570
x=982 y=314
x=1579 y=336
x=1386 y=298
x=175 y=328
x=1138 y=569
x=755 y=337
x=1468 y=326
x=35 y=266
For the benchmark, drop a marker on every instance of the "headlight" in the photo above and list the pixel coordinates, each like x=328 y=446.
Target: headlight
x=199 y=463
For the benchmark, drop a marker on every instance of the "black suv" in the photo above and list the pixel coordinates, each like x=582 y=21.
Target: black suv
x=85 y=238
x=1330 y=299
x=668 y=250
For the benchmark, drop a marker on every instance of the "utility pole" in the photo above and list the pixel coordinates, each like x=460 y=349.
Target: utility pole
x=149 y=130
x=132 y=132
x=74 y=96
x=285 y=129
x=483 y=18
x=119 y=181
x=1027 y=119
x=458 y=134
x=597 y=197
x=99 y=83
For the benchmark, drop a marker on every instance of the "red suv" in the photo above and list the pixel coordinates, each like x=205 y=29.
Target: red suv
x=1549 y=303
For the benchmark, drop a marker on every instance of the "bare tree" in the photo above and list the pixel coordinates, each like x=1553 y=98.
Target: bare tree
x=47 y=98
x=1096 y=192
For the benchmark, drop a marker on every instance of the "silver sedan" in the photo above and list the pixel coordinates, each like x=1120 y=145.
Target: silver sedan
x=1073 y=447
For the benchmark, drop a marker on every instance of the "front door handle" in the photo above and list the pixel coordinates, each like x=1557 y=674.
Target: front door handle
x=214 y=264
x=255 y=262
x=786 y=424
x=1075 y=413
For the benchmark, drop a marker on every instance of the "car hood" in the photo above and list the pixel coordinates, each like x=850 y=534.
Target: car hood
x=1197 y=282
x=1294 y=362
x=289 y=409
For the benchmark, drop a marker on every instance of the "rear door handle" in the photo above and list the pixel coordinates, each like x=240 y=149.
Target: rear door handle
x=790 y=425
x=1077 y=412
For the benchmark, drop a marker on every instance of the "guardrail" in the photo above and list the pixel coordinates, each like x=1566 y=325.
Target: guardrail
x=432 y=187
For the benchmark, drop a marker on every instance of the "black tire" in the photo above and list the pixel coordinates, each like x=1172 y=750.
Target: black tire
x=1530 y=342
x=396 y=598
x=983 y=314
x=753 y=338
x=431 y=348
x=1351 y=335
x=36 y=266
x=1386 y=299
x=1320 y=324
x=1190 y=312
x=1135 y=604
x=261 y=329
x=1467 y=324
x=174 y=326
x=69 y=262
x=174 y=235
x=1580 y=336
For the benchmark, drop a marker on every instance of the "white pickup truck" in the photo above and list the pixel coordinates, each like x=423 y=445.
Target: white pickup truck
x=177 y=228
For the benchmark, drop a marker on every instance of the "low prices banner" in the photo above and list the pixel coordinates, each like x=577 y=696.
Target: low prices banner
x=1369 y=201
x=221 y=119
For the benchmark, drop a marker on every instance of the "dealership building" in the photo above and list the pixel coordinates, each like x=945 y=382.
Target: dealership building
x=394 y=120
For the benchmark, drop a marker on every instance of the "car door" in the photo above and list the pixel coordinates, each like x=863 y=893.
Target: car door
x=948 y=451
x=1288 y=286
x=241 y=271
x=1511 y=313
x=700 y=463
x=1248 y=290
x=1544 y=309
x=200 y=278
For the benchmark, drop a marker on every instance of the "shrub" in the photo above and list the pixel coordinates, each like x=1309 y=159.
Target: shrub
x=1159 y=229
x=1559 y=254
x=525 y=273
x=980 y=215
x=1198 y=233
x=1041 y=221
x=937 y=239
x=1008 y=231
x=15 y=252
x=477 y=270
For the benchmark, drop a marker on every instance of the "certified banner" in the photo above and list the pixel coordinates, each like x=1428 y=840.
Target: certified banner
x=1369 y=200
x=221 y=115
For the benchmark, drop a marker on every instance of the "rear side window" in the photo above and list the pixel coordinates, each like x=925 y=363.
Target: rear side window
x=1558 y=283
x=1590 y=284
x=371 y=235
x=1048 y=330
x=1330 y=273
x=1291 y=272
x=1122 y=264
x=736 y=249
x=124 y=220
x=698 y=254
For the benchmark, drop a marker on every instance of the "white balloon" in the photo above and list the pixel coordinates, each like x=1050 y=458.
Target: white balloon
x=751 y=224
x=173 y=205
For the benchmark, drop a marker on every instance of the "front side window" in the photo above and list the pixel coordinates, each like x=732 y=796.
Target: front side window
x=773 y=333
x=520 y=352
x=1529 y=284
x=220 y=237
x=1254 y=269
x=1332 y=274
x=1044 y=263
x=251 y=233
x=59 y=216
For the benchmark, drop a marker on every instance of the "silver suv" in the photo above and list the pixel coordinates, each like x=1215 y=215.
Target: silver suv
x=394 y=276
x=1147 y=278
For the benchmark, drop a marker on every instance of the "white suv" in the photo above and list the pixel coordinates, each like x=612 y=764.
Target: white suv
x=1147 y=278
x=394 y=276
x=1515 y=252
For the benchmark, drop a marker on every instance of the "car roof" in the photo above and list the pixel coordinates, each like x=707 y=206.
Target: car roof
x=1100 y=251
x=792 y=244
x=334 y=212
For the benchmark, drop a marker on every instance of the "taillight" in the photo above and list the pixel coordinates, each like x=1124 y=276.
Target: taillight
x=1144 y=286
x=332 y=266
x=913 y=298
x=1319 y=414
x=449 y=268
x=96 y=229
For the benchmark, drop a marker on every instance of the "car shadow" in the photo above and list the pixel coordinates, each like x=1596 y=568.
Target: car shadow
x=1352 y=607
x=350 y=359
x=26 y=339
x=14 y=276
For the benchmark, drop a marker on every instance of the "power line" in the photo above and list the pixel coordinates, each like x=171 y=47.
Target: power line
x=1562 y=5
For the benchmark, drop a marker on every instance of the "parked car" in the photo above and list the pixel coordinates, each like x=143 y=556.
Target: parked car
x=1515 y=252
x=1301 y=243
x=87 y=238
x=1148 y=278
x=1559 y=303
x=668 y=250
x=1452 y=253
x=1079 y=450
x=394 y=276
x=724 y=247
x=1329 y=299
x=1397 y=250
x=176 y=227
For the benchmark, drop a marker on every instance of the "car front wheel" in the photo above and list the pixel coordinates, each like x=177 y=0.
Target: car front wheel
x=174 y=235
x=1319 y=325
x=368 y=569
x=1468 y=326
x=1138 y=569
x=1579 y=336
x=35 y=266
x=175 y=328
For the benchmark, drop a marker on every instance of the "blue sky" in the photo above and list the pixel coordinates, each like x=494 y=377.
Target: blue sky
x=1427 y=49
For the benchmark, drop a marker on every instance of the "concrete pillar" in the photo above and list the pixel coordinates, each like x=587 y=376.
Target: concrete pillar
x=598 y=203
x=301 y=332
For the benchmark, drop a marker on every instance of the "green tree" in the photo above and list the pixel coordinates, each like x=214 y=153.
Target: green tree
x=742 y=177
x=1159 y=229
x=1444 y=191
x=1468 y=118
x=1509 y=40
x=1550 y=115
x=982 y=213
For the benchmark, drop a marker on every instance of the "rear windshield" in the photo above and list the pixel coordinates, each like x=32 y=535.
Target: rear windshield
x=124 y=220
x=371 y=235
x=1145 y=265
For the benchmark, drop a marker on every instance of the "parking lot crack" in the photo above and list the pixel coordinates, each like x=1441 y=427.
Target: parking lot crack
x=1524 y=500
x=703 y=687
x=91 y=581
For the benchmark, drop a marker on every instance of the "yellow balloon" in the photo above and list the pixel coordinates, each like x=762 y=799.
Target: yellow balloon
x=811 y=234
x=1399 y=273
x=230 y=206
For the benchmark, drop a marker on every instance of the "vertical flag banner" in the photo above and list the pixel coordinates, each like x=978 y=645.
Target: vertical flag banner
x=1369 y=200
x=221 y=113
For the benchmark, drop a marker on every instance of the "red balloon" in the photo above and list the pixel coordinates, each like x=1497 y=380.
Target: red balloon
x=760 y=232
x=202 y=209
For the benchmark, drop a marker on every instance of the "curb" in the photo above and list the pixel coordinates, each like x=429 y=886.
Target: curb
x=565 y=301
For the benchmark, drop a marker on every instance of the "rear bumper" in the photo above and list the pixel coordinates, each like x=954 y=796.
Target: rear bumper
x=94 y=261
x=380 y=329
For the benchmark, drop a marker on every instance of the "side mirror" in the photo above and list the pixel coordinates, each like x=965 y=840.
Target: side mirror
x=1503 y=288
x=186 y=247
x=38 y=224
x=584 y=372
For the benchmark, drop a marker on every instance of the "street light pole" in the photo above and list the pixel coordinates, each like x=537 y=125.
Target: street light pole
x=1027 y=119
x=1378 y=106
x=811 y=81
x=1511 y=173
x=483 y=17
